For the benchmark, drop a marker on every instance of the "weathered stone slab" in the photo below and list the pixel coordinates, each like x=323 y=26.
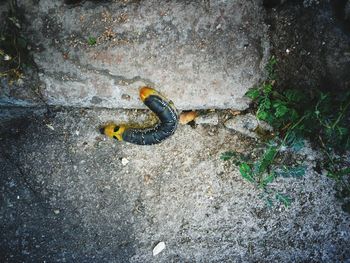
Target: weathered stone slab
x=201 y=54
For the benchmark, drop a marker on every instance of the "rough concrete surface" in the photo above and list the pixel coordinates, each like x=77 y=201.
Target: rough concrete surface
x=70 y=195
x=202 y=54
x=247 y=124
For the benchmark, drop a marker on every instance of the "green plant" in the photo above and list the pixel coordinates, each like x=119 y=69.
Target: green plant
x=91 y=41
x=270 y=68
x=276 y=108
x=262 y=172
x=328 y=118
x=324 y=113
x=295 y=116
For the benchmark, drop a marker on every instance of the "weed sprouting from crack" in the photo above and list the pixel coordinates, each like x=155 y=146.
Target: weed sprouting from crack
x=263 y=172
x=296 y=117
x=91 y=41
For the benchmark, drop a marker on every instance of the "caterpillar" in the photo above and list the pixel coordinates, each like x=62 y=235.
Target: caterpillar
x=166 y=113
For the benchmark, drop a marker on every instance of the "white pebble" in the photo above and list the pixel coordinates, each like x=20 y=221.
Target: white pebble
x=125 y=161
x=50 y=127
x=158 y=248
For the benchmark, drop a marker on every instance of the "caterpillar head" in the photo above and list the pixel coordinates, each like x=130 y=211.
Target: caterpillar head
x=113 y=131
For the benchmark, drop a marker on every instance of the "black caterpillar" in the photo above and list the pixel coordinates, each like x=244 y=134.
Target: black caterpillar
x=165 y=111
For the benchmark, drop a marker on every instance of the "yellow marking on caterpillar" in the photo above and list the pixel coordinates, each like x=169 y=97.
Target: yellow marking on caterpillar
x=114 y=131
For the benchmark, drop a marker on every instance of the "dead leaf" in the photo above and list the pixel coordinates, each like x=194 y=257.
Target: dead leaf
x=186 y=117
x=235 y=112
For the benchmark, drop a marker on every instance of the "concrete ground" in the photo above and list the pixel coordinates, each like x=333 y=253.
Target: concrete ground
x=70 y=195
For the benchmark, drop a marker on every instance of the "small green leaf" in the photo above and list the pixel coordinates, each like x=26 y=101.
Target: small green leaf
x=323 y=96
x=284 y=199
x=267 y=159
x=281 y=110
x=294 y=141
x=253 y=93
x=246 y=172
x=264 y=104
x=262 y=115
x=268 y=179
x=267 y=88
x=91 y=41
x=267 y=103
x=270 y=68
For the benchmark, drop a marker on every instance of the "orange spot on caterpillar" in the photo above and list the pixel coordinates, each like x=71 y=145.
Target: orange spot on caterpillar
x=145 y=92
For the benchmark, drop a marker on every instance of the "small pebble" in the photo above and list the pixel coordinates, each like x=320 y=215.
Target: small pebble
x=211 y=133
x=247 y=124
x=147 y=178
x=50 y=127
x=210 y=119
x=125 y=161
x=158 y=248
x=125 y=97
